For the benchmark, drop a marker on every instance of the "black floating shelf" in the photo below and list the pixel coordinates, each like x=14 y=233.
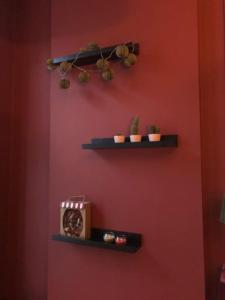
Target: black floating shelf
x=96 y=240
x=90 y=57
x=108 y=143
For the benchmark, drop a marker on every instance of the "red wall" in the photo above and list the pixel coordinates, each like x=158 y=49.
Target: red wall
x=158 y=191
x=5 y=117
x=155 y=192
x=28 y=205
x=212 y=92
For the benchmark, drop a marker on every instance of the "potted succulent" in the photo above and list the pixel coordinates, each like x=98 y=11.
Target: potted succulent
x=154 y=133
x=134 y=131
x=119 y=138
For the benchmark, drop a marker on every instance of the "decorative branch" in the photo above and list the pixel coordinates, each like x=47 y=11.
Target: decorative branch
x=126 y=56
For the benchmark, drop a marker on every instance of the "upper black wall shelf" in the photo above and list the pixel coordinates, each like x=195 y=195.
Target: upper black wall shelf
x=108 y=143
x=90 y=57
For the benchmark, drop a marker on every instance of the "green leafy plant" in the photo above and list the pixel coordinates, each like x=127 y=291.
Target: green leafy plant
x=153 y=129
x=134 y=127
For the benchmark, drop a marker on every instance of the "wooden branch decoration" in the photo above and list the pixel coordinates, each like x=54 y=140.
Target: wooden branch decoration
x=126 y=54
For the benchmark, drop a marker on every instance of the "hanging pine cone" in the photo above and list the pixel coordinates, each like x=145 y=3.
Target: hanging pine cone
x=107 y=75
x=122 y=51
x=92 y=46
x=83 y=49
x=84 y=76
x=50 y=65
x=102 y=64
x=64 y=83
x=65 y=67
x=130 y=60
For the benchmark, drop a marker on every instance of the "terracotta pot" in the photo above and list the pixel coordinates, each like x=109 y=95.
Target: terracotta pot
x=154 y=137
x=135 y=138
x=119 y=138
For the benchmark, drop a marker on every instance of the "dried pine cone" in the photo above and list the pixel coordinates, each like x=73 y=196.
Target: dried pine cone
x=122 y=51
x=107 y=75
x=64 y=83
x=84 y=76
x=50 y=65
x=83 y=49
x=92 y=46
x=130 y=60
x=102 y=64
x=65 y=67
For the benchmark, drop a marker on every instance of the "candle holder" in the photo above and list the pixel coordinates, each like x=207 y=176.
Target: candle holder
x=121 y=240
x=109 y=237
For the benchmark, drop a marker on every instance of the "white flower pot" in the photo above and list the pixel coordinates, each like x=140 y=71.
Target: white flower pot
x=154 y=137
x=119 y=138
x=135 y=138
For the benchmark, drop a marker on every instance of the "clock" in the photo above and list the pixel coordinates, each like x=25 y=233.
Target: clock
x=75 y=217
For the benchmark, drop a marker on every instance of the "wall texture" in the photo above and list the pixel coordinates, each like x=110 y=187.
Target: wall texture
x=155 y=192
x=212 y=92
x=5 y=120
x=27 y=249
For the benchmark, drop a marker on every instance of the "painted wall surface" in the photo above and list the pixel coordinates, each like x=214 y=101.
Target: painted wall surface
x=27 y=229
x=155 y=192
x=162 y=88
x=5 y=108
x=212 y=95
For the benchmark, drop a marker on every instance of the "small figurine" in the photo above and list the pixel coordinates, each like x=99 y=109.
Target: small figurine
x=121 y=240
x=109 y=237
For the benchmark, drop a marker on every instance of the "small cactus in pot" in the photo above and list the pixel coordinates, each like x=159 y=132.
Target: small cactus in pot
x=134 y=131
x=119 y=138
x=154 y=133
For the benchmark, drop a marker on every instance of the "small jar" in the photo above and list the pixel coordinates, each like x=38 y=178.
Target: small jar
x=109 y=237
x=121 y=240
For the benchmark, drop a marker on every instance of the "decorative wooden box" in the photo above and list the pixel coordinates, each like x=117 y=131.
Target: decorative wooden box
x=75 y=218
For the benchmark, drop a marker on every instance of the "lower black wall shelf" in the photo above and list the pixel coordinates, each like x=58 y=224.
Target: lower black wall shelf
x=96 y=240
x=108 y=143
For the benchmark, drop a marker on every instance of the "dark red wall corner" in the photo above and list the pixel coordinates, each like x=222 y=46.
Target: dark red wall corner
x=29 y=165
x=5 y=123
x=212 y=94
